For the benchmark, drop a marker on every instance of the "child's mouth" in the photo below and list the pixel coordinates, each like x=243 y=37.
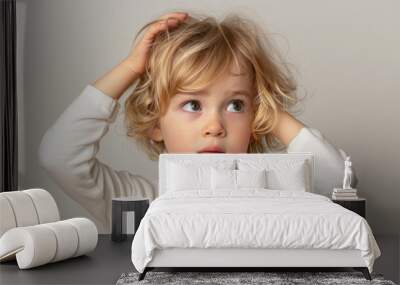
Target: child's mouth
x=212 y=149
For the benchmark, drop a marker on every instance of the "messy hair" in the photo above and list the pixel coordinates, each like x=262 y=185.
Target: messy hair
x=190 y=57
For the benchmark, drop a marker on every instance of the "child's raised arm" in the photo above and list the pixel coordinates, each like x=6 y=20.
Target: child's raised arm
x=69 y=147
x=115 y=82
x=329 y=159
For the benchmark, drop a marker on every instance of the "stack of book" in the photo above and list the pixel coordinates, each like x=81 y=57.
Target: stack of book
x=344 y=194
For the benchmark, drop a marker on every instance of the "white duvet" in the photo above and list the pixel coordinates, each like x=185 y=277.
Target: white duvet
x=251 y=218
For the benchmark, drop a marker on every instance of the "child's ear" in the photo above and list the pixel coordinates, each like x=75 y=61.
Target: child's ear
x=155 y=134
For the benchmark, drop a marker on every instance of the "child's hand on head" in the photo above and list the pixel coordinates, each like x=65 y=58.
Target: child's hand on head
x=115 y=82
x=137 y=57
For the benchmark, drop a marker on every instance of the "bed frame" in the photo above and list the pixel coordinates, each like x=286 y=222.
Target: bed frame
x=237 y=259
x=248 y=259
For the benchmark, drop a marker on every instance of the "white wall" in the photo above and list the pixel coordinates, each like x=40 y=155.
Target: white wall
x=345 y=55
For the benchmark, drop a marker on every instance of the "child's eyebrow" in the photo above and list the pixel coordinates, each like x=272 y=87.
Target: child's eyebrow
x=241 y=92
x=205 y=93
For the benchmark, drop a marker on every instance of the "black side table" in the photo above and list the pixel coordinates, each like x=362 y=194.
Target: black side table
x=357 y=205
x=126 y=204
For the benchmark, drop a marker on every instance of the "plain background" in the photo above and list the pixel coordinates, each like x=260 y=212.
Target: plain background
x=344 y=54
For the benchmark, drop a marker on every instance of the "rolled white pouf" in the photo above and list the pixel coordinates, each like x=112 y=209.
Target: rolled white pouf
x=33 y=246
x=23 y=208
x=46 y=243
x=87 y=234
x=6 y=215
x=67 y=239
x=46 y=206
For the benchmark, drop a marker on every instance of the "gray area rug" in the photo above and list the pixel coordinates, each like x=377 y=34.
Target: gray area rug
x=229 y=278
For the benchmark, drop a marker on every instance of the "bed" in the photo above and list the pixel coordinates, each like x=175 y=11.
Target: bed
x=247 y=211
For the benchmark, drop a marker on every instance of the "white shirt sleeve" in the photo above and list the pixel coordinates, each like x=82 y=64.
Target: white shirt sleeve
x=68 y=154
x=328 y=160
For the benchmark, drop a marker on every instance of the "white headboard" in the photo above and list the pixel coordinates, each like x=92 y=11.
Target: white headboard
x=211 y=158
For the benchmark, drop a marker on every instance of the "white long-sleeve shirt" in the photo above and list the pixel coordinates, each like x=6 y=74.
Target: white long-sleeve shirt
x=68 y=153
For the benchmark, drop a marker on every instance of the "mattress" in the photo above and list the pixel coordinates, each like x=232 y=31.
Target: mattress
x=251 y=218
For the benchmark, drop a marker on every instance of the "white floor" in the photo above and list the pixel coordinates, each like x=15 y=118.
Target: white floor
x=388 y=263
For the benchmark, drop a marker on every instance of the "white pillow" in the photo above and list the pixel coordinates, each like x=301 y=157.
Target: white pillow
x=251 y=178
x=281 y=174
x=229 y=179
x=183 y=178
x=185 y=175
x=293 y=179
x=223 y=179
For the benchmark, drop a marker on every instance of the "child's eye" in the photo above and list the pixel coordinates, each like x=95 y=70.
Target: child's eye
x=237 y=106
x=191 y=104
x=196 y=104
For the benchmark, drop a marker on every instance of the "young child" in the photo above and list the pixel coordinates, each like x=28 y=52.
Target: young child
x=202 y=86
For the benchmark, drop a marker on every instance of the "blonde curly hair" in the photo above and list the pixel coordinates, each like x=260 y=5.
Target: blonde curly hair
x=190 y=57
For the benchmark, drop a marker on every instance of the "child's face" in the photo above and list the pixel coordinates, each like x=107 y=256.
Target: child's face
x=214 y=117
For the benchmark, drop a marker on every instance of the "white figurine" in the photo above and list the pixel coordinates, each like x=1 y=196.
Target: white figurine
x=348 y=173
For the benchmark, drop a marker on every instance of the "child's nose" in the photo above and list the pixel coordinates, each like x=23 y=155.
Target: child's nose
x=214 y=126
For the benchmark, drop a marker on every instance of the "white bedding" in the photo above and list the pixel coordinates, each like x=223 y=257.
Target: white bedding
x=250 y=218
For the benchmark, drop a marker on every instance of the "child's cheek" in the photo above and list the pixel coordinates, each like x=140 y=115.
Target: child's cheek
x=240 y=121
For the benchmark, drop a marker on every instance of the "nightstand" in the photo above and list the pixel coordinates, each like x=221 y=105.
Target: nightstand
x=120 y=205
x=357 y=205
